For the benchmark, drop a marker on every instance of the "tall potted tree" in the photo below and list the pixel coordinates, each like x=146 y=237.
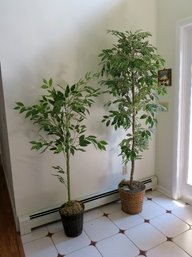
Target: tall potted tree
x=59 y=116
x=129 y=71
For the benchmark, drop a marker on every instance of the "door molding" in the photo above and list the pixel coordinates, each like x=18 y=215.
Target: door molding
x=182 y=79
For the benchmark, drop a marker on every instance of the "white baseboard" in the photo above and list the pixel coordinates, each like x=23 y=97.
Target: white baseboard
x=39 y=218
x=164 y=191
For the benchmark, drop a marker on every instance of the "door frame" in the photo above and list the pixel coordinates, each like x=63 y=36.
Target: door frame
x=181 y=108
x=5 y=152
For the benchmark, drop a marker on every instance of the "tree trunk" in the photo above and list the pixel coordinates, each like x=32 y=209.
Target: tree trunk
x=68 y=177
x=133 y=130
x=133 y=146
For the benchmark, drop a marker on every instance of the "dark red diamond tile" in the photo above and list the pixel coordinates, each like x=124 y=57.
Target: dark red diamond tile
x=143 y=253
x=49 y=234
x=146 y=221
x=168 y=211
x=93 y=243
x=121 y=231
x=169 y=238
x=149 y=198
x=60 y=255
x=105 y=214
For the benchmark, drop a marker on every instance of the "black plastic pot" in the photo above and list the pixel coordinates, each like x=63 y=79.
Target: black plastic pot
x=72 y=224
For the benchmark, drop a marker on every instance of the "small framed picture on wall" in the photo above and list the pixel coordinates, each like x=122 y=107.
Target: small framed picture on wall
x=164 y=77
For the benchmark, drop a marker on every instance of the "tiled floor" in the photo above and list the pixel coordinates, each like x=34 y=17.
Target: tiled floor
x=162 y=229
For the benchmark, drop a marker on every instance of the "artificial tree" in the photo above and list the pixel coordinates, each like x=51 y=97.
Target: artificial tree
x=59 y=116
x=129 y=71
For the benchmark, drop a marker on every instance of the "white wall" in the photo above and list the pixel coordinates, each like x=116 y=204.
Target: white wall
x=62 y=39
x=168 y=14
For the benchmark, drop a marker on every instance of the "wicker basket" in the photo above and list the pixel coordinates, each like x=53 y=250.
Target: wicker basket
x=132 y=200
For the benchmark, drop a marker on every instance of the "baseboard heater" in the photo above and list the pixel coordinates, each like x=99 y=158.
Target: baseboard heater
x=33 y=220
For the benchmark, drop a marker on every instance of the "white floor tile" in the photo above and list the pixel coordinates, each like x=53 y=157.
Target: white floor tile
x=145 y=236
x=151 y=210
x=55 y=227
x=184 y=213
x=93 y=214
x=150 y=237
x=100 y=228
x=168 y=203
x=67 y=245
x=167 y=249
x=43 y=247
x=169 y=225
x=185 y=241
x=152 y=194
x=89 y=251
x=35 y=234
x=110 y=208
x=117 y=245
x=124 y=220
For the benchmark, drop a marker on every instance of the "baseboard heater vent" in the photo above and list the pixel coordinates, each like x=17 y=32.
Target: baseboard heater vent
x=28 y=222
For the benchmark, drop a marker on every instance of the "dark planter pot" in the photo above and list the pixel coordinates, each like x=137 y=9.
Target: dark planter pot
x=72 y=224
x=132 y=200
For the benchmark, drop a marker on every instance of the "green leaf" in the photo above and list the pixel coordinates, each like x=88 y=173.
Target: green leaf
x=28 y=114
x=60 y=178
x=101 y=145
x=67 y=90
x=59 y=169
x=58 y=149
x=144 y=116
x=19 y=104
x=17 y=108
x=23 y=109
x=84 y=143
x=36 y=145
x=73 y=87
x=57 y=109
x=72 y=151
x=50 y=82
x=44 y=86
x=103 y=142
x=81 y=149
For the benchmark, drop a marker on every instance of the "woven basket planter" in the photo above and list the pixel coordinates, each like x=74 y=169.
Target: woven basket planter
x=132 y=200
x=72 y=224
